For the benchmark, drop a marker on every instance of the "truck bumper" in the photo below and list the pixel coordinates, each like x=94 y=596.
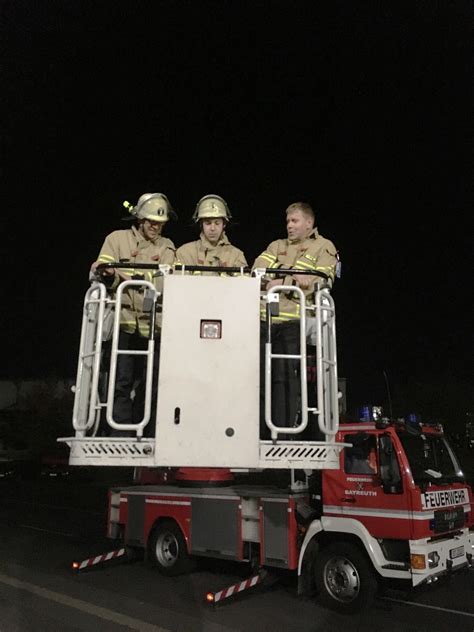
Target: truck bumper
x=430 y=559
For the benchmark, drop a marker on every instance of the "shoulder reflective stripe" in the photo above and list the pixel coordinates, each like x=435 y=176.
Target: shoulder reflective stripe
x=267 y=255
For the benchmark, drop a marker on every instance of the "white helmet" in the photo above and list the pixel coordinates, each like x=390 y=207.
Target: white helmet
x=153 y=206
x=211 y=206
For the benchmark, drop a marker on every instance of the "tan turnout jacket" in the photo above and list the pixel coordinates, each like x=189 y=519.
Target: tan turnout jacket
x=203 y=253
x=130 y=245
x=313 y=253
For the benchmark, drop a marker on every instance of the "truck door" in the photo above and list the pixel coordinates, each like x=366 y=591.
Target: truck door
x=357 y=490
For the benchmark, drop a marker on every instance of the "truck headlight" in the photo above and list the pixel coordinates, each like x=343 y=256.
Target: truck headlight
x=433 y=559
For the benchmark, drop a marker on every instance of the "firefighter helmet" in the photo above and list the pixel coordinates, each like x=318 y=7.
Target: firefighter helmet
x=153 y=206
x=211 y=206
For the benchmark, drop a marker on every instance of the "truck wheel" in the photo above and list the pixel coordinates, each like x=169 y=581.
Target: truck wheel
x=344 y=578
x=167 y=549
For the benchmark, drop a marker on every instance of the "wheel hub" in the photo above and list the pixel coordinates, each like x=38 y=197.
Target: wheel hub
x=167 y=549
x=341 y=579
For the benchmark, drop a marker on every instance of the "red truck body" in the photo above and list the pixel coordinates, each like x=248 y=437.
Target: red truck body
x=404 y=528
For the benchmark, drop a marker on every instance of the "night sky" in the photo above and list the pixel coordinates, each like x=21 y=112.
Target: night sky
x=362 y=109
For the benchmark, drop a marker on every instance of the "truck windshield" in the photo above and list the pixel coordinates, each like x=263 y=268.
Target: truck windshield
x=431 y=458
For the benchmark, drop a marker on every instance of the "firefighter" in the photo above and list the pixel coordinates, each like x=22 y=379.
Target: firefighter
x=303 y=249
x=361 y=457
x=213 y=247
x=141 y=243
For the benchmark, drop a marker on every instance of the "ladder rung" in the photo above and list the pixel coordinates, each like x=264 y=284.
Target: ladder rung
x=131 y=352
x=283 y=356
x=88 y=355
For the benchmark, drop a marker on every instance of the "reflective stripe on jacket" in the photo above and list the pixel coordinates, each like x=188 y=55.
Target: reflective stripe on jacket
x=130 y=245
x=313 y=253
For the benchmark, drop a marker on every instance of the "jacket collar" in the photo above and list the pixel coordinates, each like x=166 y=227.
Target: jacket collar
x=141 y=241
x=312 y=235
x=206 y=244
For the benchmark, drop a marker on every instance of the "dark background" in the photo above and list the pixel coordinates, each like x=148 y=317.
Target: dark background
x=362 y=109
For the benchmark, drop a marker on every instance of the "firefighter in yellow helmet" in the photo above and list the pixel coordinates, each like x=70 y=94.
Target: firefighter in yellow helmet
x=141 y=243
x=213 y=247
x=303 y=249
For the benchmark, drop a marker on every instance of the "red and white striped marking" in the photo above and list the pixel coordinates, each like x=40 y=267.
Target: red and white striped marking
x=235 y=589
x=92 y=561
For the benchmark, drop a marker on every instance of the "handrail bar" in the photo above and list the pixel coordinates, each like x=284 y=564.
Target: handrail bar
x=95 y=353
x=269 y=356
x=115 y=351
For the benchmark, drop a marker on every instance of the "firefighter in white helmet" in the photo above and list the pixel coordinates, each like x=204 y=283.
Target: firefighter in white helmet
x=141 y=243
x=213 y=247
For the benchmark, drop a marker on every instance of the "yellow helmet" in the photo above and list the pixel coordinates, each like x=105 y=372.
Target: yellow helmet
x=211 y=206
x=153 y=206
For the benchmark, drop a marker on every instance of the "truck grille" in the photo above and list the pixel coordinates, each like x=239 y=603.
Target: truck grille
x=448 y=519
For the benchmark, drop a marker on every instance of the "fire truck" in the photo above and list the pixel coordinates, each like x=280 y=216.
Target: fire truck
x=348 y=507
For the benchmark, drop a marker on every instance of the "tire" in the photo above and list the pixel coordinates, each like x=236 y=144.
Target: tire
x=344 y=578
x=167 y=549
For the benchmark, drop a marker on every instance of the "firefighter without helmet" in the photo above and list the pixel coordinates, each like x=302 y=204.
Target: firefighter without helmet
x=210 y=207
x=152 y=206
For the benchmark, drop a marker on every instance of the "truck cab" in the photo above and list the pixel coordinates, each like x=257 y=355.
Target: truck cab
x=400 y=496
